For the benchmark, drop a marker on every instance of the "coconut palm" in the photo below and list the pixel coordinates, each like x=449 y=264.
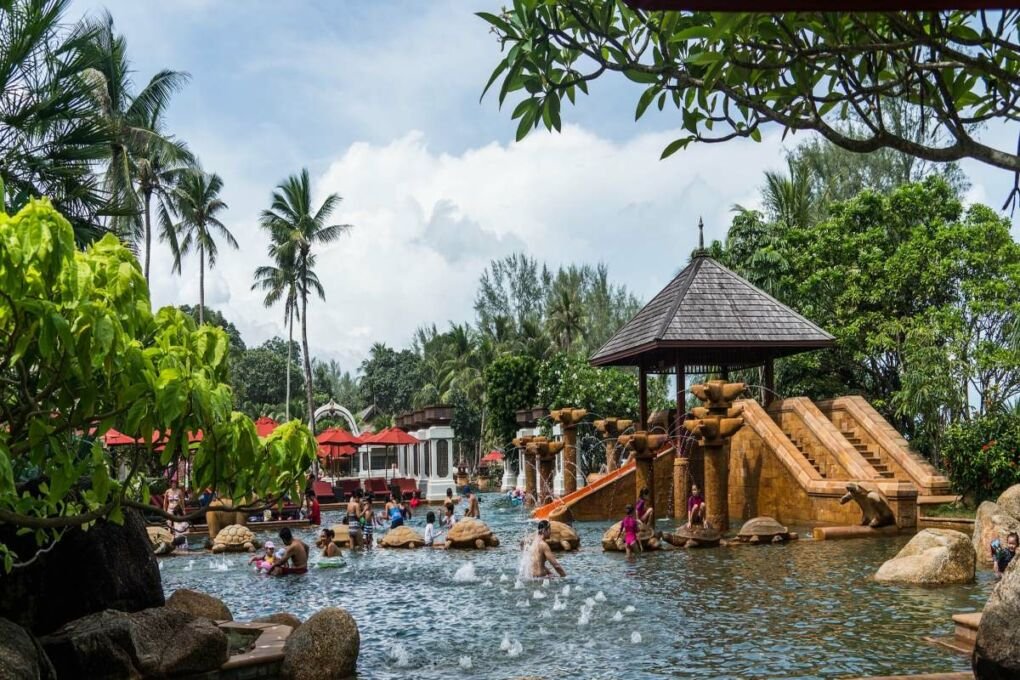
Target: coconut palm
x=565 y=315
x=196 y=204
x=296 y=228
x=51 y=133
x=278 y=283
x=133 y=125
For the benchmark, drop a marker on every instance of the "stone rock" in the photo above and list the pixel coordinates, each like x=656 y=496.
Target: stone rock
x=110 y=566
x=284 y=618
x=997 y=650
x=932 y=557
x=20 y=654
x=1009 y=501
x=157 y=642
x=159 y=535
x=325 y=647
x=471 y=533
x=991 y=522
x=199 y=604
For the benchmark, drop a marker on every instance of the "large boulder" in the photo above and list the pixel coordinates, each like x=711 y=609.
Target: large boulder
x=325 y=647
x=991 y=522
x=153 y=643
x=20 y=654
x=110 y=566
x=199 y=604
x=997 y=650
x=1009 y=501
x=932 y=557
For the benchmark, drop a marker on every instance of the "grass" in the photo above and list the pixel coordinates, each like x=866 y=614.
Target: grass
x=960 y=510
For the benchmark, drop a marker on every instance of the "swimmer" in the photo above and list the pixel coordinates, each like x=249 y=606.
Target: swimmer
x=329 y=548
x=542 y=553
x=295 y=552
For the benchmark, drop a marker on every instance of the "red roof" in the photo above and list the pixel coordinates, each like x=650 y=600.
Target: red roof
x=264 y=425
x=115 y=438
x=391 y=436
x=492 y=457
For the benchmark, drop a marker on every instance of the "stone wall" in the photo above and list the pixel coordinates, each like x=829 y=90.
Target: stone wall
x=609 y=501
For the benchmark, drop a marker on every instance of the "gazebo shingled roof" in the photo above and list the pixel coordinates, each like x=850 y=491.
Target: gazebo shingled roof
x=709 y=315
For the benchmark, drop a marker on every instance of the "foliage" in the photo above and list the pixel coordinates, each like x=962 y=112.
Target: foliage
x=510 y=385
x=83 y=354
x=731 y=74
x=331 y=382
x=511 y=292
x=216 y=318
x=390 y=379
x=258 y=377
x=569 y=380
x=983 y=455
x=466 y=423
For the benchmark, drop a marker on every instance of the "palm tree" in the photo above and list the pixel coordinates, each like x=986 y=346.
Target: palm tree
x=788 y=199
x=278 y=283
x=564 y=312
x=196 y=203
x=158 y=167
x=51 y=134
x=133 y=124
x=296 y=228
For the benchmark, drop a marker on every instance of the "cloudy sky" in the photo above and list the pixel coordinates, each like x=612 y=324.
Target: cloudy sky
x=380 y=101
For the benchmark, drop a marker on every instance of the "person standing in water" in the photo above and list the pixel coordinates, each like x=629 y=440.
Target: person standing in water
x=295 y=552
x=314 y=512
x=368 y=521
x=643 y=510
x=329 y=548
x=430 y=529
x=473 y=510
x=629 y=531
x=353 y=519
x=542 y=553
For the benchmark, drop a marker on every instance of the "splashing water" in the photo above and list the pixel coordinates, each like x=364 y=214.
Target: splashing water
x=503 y=578
x=515 y=649
x=538 y=595
x=585 y=618
x=504 y=644
x=546 y=614
x=466 y=574
x=635 y=638
x=600 y=597
x=191 y=565
x=465 y=662
x=488 y=582
x=559 y=605
x=590 y=601
x=545 y=583
x=523 y=603
x=399 y=655
x=222 y=565
x=566 y=590
x=518 y=584
x=529 y=550
x=629 y=609
x=618 y=616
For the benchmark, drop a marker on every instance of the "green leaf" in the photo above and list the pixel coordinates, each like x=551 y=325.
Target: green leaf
x=646 y=98
x=675 y=146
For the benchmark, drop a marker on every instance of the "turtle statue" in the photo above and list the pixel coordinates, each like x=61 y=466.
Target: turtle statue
x=612 y=540
x=563 y=537
x=764 y=530
x=875 y=511
x=470 y=533
x=693 y=537
x=162 y=540
x=402 y=537
x=234 y=538
x=341 y=536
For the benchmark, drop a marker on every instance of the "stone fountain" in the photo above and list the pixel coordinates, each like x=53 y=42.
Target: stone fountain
x=715 y=423
x=569 y=418
x=610 y=430
x=644 y=447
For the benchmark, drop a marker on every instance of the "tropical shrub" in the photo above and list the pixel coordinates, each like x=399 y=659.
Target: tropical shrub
x=510 y=383
x=982 y=456
x=84 y=353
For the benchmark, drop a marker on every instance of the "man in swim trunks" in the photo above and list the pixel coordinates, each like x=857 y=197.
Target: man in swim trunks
x=353 y=519
x=542 y=553
x=295 y=553
x=473 y=510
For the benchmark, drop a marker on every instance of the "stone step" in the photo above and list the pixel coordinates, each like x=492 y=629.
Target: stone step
x=966 y=626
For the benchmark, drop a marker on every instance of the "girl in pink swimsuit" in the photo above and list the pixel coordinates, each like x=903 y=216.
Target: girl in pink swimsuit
x=629 y=529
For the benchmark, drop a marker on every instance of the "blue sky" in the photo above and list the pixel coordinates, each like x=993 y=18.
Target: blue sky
x=380 y=101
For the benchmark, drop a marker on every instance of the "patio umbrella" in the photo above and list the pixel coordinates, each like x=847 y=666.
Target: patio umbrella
x=333 y=438
x=492 y=457
x=391 y=436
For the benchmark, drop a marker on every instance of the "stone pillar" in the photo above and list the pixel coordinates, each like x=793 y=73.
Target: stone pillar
x=644 y=476
x=681 y=486
x=527 y=462
x=546 y=466
x=717 y=499
x=610 y=429
x=568 y=418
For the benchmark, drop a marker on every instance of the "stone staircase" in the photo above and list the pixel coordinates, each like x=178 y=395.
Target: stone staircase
x=806 y=453
x=874 y=460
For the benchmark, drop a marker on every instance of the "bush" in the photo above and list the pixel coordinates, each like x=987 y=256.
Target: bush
x=983 y=455
x=509 y=386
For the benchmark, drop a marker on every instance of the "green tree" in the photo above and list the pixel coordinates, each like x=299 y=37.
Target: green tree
x=511 y=292
x=258 y=377
x=390 y=379
x=216 y=318
x=510 y=385
x=85 y=354
x=51 y=134
x=565 y=308
x=197 y=205
x=279 y=282
x=296 y=227
x=731 y=74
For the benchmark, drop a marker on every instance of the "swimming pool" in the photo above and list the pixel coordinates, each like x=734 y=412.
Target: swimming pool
x=808 y=609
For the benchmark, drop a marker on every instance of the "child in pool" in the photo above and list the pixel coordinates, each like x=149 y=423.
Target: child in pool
x=629 y=531
x=264 y=561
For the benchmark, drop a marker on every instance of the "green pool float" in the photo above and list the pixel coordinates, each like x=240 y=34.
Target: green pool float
x=330 y=563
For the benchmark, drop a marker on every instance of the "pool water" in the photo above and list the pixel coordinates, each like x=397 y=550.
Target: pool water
x=808 y=609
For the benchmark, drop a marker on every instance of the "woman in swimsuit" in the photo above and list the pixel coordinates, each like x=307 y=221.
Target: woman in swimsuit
x=174 y=497
x=396 y=516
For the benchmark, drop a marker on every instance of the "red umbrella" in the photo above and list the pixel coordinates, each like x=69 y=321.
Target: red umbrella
x=492 y=457
x=391 y=436
x=337 y=436
x=337 y=451
x=264 y=425
x=114 y=438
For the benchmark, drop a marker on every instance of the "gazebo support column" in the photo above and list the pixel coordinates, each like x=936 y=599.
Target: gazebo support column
x=770 y=381
x=642 y=398
x=681 y=398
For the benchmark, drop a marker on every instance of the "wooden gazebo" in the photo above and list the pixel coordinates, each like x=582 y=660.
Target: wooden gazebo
x=708 y=320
